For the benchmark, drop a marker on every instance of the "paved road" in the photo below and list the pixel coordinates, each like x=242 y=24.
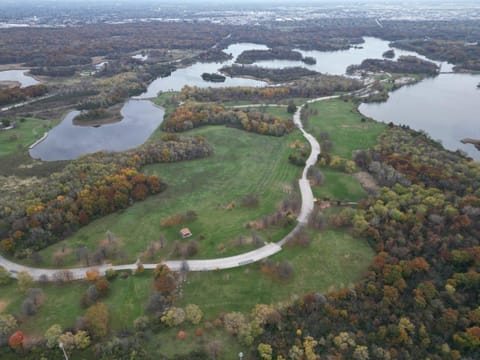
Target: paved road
x=208 y=264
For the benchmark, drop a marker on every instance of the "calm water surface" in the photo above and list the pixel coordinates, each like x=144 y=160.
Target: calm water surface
x=18 y=75
x=446 y=107
x=418 y=106
x=67 y=141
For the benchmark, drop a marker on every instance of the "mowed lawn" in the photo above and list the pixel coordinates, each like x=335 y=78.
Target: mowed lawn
x=333 y=260
x=344 y=125
x=243 y=163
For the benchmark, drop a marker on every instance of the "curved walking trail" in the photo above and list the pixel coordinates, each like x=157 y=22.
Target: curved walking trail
x=207 y=264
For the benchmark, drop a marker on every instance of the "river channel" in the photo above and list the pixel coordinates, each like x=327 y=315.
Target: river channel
x=422 y=106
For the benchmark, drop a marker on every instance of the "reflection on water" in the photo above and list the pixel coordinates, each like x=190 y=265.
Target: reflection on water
x=67 y=141
x=432 y=105
x=446 y=107
x=19 y=76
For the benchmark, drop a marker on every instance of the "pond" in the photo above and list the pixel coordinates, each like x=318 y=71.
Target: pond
x=68 y=141
x=18 y=76
x=446 y=107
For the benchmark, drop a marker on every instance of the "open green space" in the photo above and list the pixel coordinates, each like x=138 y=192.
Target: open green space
x=334 y=259
x=339 y=186
x=243 y=163
x=344 y=125
x=61 y=305
x=25 y=134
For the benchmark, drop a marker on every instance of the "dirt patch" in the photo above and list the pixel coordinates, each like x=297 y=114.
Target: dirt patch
x=3 y=306
x=367 y=181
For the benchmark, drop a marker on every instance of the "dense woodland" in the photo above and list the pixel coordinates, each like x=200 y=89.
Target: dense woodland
x=17 y=94
x=273 y=75
x=311 y=87
x=404 y=65
x=39 y=47
x=420 y=296
x=192 y=115
x=87 y=188
x=251 y=56
x=466 y=56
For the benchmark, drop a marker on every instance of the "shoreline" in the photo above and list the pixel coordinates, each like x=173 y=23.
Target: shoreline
x=45 y=135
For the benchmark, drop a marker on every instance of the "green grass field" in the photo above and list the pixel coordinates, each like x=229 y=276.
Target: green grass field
x=25 y=134
x=339 y=186
x=347 y=132
x=243 y=163
x=126 y=302
x=334 y=259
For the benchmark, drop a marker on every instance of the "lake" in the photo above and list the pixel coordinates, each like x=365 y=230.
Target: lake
x=418 y=105
x=328 y=62
x=446 y=107
x=19 y=76
x=67 y=141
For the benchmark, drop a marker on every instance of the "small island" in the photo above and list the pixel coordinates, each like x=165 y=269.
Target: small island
x=309 y=60
x=97 y=117
x=267 y=74
x=212 y=77
x=389 y=54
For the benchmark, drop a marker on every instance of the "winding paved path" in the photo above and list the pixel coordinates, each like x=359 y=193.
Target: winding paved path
x=208 y=264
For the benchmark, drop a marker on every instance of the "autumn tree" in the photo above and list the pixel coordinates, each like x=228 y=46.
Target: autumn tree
x=24 y=280
x=98 y=320
x=5 y=277
x=52 y=335
x=8 y=324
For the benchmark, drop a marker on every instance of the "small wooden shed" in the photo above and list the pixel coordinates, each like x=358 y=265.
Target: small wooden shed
x=185 y=232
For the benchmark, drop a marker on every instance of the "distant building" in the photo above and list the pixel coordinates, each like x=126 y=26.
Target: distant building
x=185 y=232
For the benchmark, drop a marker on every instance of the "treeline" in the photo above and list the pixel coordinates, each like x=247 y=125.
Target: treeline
x=213 y=55
x=39 y=47
x=322 y=85
x=273 y=75
x=213 y=77
x=404 y=65
x=91 y=187
x=192 y=115
x=419 y=298
x=55 y=71
x=17 y=94
x=251 y=56
x=330 y=35
x=464 y=56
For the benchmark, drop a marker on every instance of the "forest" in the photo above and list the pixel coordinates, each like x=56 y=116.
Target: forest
x=311 y=87
x=51 y=47
x=192 y=115
x=404 y=65
x=251 y=56
x=16 y=94
x=272 y=75
x=420 y=296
